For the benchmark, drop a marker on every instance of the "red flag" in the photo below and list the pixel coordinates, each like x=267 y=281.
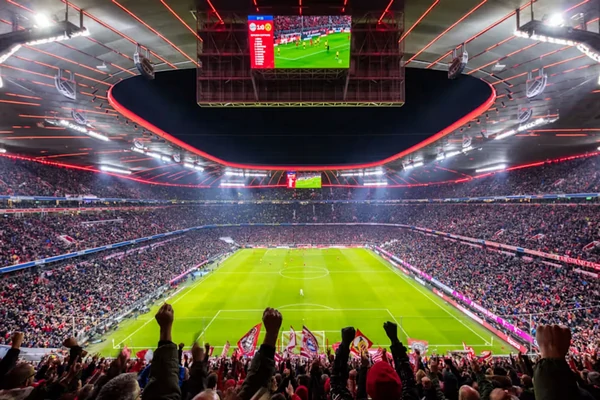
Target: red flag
x=361 y=343
x=335 y=346
x=140 y=355
x=470 y=351
x=486 y=356
x=225 y=349
x=310 y=345
x=278 y=357
x=292 y=343
x=211 y=350
x=378 y=356
x=247 y=344
x=420 y=345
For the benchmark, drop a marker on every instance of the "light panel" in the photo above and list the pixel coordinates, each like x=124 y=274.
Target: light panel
x=117 y=170
x=498 y=167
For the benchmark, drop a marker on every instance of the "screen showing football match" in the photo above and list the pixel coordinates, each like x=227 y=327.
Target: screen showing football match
x=304 y=180
x=299 y=41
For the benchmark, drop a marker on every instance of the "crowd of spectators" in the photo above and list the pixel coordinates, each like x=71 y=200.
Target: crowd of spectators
x=402 y=375
x=83 y=294
x=524 y=292
x=27 y=178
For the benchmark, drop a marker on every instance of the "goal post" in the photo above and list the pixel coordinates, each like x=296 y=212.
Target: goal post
x=285 y=340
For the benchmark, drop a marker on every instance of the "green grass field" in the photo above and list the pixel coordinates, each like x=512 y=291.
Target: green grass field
x=342 y=287
x=290 y=56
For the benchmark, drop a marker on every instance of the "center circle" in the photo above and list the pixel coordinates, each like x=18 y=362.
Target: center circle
x=295 y=272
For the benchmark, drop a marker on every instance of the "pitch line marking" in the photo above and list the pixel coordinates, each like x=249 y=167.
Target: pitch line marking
x=117 y=346
x=209 y=324
x=397 y=323
x=303 y=304
x=406 y=279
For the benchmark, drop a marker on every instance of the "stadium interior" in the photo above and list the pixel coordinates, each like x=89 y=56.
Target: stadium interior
x=299 y=199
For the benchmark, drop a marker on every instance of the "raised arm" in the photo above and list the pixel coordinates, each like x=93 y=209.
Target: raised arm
x=339 y=375
x=164 y=372
x=403 y=367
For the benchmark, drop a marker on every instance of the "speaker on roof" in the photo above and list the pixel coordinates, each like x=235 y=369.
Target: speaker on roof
x=79 y=117
x=466 y=141
x=143 y=63
x=524 y=115
x=177 y=157
x=138 y=144
x=535 y=86
x=458 y=63
x=66 y=87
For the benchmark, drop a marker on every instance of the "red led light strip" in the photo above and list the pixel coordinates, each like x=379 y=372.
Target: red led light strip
x=503 y=57
x=385 y=11
x=183 y=22
x=22 y=103
x=537 y=69
x=214 y=10
x=432 y=139
x=492 y=26
x=157 y=33
x=405 y=34
x=446 y=31
x=87 y=14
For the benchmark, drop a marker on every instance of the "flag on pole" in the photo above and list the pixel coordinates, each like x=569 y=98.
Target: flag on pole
x=247 y=344
x=486 y=356
x=470 y=351
x=361 y=343
x=292 y=343
x=310 y=345
x=225 y=349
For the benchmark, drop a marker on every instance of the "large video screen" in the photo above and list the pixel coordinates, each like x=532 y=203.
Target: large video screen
x=304 y=180
x=299 y=41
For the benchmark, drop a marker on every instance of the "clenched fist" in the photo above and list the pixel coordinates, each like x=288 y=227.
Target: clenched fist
x=554 y=341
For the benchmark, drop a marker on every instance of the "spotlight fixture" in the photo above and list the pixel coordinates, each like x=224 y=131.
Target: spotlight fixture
x=193 y=166
x=232 y=184
x=554 y=20
x=498 y=167
x=2 y=150
x=116 y=170
x=82 y=129
x=376 y=183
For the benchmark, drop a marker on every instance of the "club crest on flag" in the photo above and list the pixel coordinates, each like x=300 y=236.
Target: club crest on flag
x=418 y=345
x=247 y=344
x=310 y=346
x=361 y=343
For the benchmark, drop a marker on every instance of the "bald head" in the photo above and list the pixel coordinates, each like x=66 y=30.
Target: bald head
x=208 y=394
x=467 y=393
x=499 y=394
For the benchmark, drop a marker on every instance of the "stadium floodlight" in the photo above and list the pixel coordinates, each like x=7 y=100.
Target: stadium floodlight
x=2 y=150
x=555 y=20
x=232 y=184
x=255 y=174
x=379 y=183
x=452 y=154
x=42 y=21
x=440 y=157
x=1 y=82
x=138 y=150
x=193 y=166
x=498 y=167
x=375 y=172
x=234 y=173
x=117 y=170
x=84 y=130
x=506 y=134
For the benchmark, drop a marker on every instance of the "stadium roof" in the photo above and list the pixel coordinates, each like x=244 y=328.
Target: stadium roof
x=434 y=27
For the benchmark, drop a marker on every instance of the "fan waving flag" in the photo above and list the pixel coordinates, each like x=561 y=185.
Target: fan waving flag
x=225 y=349
x=292 y=343
x=247 y=344
x=361 y=343
x=418 y=345
x=470 y=351
x=310 y=346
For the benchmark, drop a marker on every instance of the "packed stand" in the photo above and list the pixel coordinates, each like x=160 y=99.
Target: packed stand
x=42 y=302
x=401 y=375
x=520 y=291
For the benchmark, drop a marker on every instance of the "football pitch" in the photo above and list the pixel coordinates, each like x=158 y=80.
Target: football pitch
x=341 y=287
x=316 y=56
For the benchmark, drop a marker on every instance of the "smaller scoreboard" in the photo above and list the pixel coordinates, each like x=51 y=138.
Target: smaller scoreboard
x=304 y=180
x=261 y=36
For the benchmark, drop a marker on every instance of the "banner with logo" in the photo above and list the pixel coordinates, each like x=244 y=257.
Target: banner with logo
x=310 y=345
x=361 y=343
x=418 y=345
x=247 y=344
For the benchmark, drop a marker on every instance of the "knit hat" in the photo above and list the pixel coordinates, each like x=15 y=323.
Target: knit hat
x=302 y=392
x=383 y=383
x=229 y=383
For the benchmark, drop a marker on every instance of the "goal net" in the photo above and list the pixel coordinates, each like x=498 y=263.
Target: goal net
x=319 y=335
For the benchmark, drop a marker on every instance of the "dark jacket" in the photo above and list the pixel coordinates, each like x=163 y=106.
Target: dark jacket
x=260 y=372
x=339 y=374
x=164 y=374
x=554 y=380
x=9 y=361
x=404 y=371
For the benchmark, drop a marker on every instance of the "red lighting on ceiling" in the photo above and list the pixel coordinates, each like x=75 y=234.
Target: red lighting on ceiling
x=446 y=31
x=575 y=6
x=300 y=7
x=157 y=33
x=492 y=26
x=87 y=14
x=503 y=58
x=66 y=60
x=183 y=22
x=214 y=10
x=344 y=6
x=570 y=134
x=22 y=103
x=385 y=11
x=405 y=34
x=432 y=139
x=23 y=96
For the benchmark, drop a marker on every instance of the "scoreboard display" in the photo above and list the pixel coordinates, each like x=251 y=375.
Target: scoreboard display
x=304 y=180
x=296 y=41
